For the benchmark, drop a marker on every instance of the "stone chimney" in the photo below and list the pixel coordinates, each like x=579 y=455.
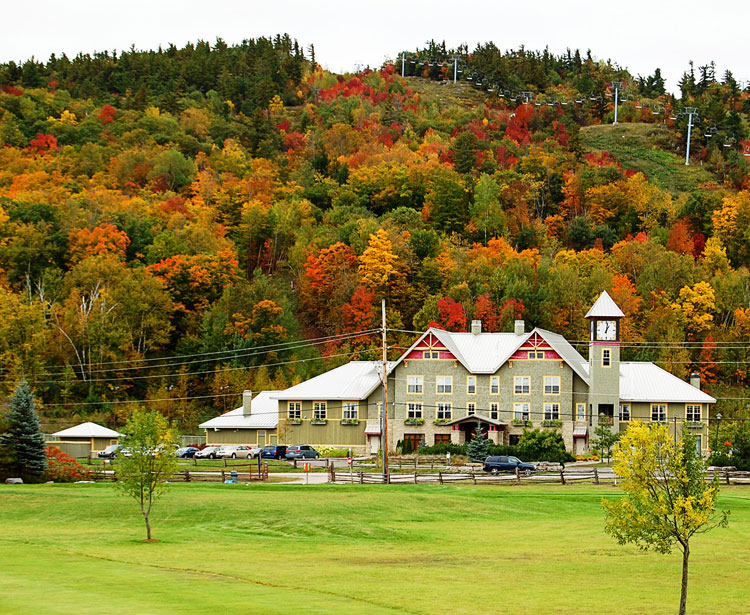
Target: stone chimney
x=695 y=380
x=519 y=327
x=247 y=397
x=476 y=327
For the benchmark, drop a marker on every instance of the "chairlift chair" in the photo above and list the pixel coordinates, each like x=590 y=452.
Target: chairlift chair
x=729 y=141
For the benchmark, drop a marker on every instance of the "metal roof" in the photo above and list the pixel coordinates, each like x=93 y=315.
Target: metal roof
x=604 y=307
x=264 y=414
x=88 y=430
x=473 y=418
x=569 y=354
x=646 y=382
x=354 y=380
x=580 y=432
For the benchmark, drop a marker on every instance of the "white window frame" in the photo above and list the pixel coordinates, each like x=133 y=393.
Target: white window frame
x=494 y=385
x=536 y=355
x=414 y=410
x=445 y=383
x=552 y=385
x=444 y=411
x=552 y=411
x=471 y=385
x=624 y=414
x=294 y=410
x=430 y=354
x=350 y=410
x=690 y=410
x=521 y=411
x=320 y=410
x=524 y=388
x=414 y=384
x=659 y=413
x=471 y=409
x=606 y=357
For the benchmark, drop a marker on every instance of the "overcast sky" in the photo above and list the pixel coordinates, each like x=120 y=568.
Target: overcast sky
x=639 y=35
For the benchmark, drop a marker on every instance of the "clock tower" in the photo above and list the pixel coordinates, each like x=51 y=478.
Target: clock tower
x=604 y=360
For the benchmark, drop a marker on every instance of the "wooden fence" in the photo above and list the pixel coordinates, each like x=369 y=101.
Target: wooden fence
x=244 y=473
x=595 y=476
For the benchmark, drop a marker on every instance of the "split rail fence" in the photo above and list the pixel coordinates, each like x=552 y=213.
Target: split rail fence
x=242 y=473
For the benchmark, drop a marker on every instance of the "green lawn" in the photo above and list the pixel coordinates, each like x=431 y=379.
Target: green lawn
x=350 y=549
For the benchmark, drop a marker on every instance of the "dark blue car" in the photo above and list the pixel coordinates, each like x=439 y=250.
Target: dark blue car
x=497 y=464
x=186 y=452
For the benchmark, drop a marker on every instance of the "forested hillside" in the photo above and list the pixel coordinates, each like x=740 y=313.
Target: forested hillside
x=178 y=225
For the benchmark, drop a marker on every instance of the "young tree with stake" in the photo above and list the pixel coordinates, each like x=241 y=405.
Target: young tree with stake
x=144 y=474
x=667 y=499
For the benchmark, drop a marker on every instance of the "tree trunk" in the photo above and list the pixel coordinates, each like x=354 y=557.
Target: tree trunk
x=148 y=531
x=683 y=593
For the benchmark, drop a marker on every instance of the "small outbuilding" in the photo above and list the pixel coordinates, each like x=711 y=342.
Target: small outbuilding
x=254 y=423
x=84 y=440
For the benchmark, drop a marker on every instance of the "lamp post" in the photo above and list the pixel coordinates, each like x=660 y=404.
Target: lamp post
x=718 y=421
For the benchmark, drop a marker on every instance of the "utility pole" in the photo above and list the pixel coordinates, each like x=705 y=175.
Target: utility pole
x=617 y=85
x=690 y=112
x=384 y=415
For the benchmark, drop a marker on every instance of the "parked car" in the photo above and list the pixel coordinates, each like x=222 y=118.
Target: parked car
x=110 y=452
x=187 y=452
x=207 y=453
x=273 y=451
x=255 y=451
x=497 y=464
x=302 y=451
x=234 y=452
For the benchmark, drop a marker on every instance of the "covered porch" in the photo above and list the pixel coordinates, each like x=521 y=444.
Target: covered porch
x=464 y=428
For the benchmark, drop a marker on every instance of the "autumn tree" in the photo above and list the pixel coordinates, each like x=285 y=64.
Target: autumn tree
x=379 y=268
x=667 y=499
x=144 y=475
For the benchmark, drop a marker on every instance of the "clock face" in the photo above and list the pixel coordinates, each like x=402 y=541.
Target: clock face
x=606 y=330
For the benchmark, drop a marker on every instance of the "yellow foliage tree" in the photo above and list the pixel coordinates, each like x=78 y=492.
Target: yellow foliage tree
x=695 y=306
x=379 y=268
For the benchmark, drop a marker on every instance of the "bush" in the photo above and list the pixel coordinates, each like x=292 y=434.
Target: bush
x=62 y=468
x=442 y=449
x=329 y=451
x=503 y=449
x=538 y=445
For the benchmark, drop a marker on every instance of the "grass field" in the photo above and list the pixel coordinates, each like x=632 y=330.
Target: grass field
x=352 y=550
x=644 y=147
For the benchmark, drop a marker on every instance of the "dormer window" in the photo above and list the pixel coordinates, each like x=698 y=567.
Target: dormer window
x=430 y=354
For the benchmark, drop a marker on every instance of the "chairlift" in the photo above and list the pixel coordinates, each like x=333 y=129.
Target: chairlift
x=537 y=104
x=639 y=106
x=673 y=117
x=710 y=132
x=657 y=111
x=579 y=101
x=565 y=102
x=729 y=141
x=746 y=151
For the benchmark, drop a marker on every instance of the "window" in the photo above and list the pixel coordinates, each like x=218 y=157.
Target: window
x=414 y=384
x=261 y=437
x=414 y=410
x=522 y=385
x=580 y=412
x=538 y=354
x=471 y=408
x=495 y=385
x=552 y=385
x=430 y=354
x=295 y=410
x=471 y=385
x=445 y=384
x=624 y=412
x=659 y=412
x=444 y=411
x=551 y=412
x=442 y=438
x=319 y=410
x=606 y=357
x=693 y=413
x=494 y=411
x=351 y=410
x=521 y=411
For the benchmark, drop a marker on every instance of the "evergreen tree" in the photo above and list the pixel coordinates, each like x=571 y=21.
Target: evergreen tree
x=479 y=447
x=24 y=438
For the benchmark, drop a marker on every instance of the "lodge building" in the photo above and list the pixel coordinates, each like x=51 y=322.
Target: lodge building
x=446 y=384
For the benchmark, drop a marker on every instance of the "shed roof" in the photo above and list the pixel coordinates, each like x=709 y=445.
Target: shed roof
x=88 y=430
x=264 y=414
x=604 y=307
x=354 y=380
x=647 y=382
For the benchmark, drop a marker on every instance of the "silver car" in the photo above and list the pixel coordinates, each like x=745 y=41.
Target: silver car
x=234 y=452
x=207 y=453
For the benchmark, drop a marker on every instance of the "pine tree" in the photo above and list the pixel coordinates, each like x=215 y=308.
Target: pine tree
x=479 y=447
x=24 y=437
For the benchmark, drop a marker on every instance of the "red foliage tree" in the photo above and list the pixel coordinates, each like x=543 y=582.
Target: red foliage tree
x=452 y=315
x=107 y=114
x=43 y=142
x=679 y=239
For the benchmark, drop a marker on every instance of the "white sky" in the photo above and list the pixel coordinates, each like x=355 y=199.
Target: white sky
x=637 y=34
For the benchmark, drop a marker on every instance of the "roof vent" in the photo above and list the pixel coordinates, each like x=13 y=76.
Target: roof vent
x=247 y=397
x=519 y=328
x=476 y=327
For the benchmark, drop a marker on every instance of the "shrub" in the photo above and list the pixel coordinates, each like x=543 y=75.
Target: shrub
x=503 y=449
x=442 y=449
x=329 y=451
x=62 y=468
x=538 y=445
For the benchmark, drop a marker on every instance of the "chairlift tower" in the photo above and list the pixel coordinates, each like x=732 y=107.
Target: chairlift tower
x=617 y=85
x=690 y=112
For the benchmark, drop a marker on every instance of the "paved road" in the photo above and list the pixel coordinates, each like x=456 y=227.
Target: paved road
x=314 y=478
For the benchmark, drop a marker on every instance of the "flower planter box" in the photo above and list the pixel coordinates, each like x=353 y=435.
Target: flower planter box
x=552 y=423
x=441 y=421
x=295 y=421
x=694 y=424
x=350 y=421
x=319 y=422
x=413 y=421
x=521 y=423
